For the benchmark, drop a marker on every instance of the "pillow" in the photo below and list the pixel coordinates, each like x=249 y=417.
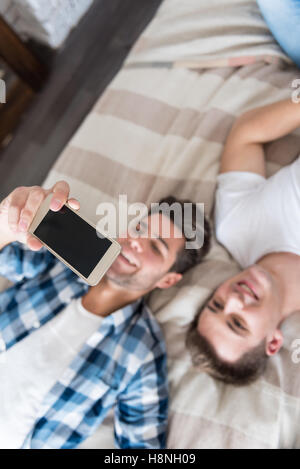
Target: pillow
x=282 y=17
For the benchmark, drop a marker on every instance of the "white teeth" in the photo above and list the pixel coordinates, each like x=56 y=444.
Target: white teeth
x=127 y=258
x=245 y=286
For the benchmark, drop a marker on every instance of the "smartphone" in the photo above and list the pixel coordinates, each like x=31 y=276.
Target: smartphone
x=74 y=241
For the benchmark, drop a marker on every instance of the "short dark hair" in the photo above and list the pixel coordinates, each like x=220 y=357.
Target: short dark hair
x=247 y=369
x=186 y=258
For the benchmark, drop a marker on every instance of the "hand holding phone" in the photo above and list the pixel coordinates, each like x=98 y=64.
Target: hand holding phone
x=19 y=208
x=40 y=217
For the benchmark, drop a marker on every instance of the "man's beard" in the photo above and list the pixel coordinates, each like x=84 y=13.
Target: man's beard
x=133 y=282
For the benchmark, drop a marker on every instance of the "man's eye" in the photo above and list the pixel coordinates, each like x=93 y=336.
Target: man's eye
x=238 y=324
x=217 y=304
x=155 y=248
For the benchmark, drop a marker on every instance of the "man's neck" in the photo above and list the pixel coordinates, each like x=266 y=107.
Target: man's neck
x=106 y=298
x=284 y=268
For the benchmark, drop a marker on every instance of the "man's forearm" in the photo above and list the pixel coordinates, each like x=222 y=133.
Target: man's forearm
x=267 y=123
x=243 y=150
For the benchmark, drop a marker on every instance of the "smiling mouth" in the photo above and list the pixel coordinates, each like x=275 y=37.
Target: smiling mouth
x=129 y=259
x=248 y=289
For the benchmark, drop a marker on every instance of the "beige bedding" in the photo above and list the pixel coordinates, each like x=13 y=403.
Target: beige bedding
x=159 y=130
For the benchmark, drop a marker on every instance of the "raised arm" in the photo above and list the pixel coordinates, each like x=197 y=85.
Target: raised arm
x=19 y=208
x=244 y=146
x=17 y=259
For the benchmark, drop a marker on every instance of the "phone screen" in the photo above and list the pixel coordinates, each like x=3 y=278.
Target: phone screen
x=73 y=239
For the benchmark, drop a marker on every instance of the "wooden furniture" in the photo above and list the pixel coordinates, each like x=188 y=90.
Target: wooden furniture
x=24 y=75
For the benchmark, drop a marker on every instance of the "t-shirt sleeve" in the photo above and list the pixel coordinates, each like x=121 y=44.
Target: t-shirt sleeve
x=233 y=188
x=252 y=208
x=237 y=194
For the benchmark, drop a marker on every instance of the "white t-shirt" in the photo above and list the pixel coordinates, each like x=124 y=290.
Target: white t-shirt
x=30 y=368
x=256 y=216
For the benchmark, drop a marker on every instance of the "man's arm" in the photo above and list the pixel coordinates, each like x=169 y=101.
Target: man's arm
x=244 y=146
x=17 y=262
x=141 y=413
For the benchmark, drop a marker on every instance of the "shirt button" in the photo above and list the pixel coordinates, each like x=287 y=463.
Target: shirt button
x=36 y=324
x=2 y=345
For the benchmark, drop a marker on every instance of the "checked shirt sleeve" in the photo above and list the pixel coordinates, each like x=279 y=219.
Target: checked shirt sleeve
x=142 y=409
x=17 y=262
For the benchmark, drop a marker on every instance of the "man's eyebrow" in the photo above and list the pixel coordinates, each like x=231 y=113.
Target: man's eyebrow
x=163 y=242
x=234 y=330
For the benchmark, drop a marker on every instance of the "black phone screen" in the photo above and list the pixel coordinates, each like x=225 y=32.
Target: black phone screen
x=73 y=239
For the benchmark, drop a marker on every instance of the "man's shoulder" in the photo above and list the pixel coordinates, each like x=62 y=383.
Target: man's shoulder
x=146 y=329
x=237 y=195
x=140 y=344
x=153 y=327
x=239 y=181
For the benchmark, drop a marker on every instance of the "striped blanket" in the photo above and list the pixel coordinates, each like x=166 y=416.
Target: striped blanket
x=159 y=130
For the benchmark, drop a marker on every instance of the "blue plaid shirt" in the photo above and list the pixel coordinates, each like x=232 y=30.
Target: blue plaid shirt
x=122 y=364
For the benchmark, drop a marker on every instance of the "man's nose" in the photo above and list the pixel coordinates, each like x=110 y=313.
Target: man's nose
x=136 y=245
x=234 y=304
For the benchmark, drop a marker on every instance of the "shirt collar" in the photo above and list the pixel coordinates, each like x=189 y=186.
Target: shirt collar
x=120 y=316
x=123 y=314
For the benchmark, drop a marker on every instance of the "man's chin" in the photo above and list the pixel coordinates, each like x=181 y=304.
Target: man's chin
x=116 y=280
x=129 y=282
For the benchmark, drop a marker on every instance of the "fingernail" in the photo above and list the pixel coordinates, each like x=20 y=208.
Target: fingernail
x=55 y=204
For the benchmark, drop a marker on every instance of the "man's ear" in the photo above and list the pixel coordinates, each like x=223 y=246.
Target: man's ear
x=274 y=343
x=168 y=280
